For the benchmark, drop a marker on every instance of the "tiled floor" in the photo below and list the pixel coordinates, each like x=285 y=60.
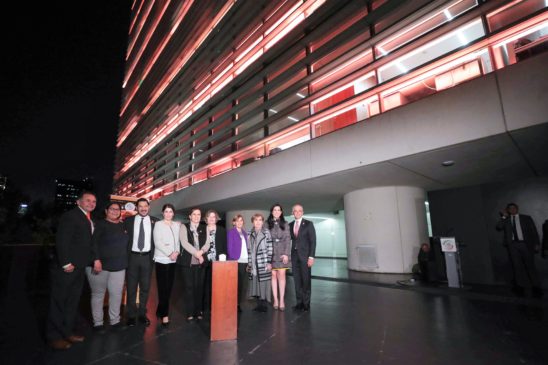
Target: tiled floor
x=354 y=320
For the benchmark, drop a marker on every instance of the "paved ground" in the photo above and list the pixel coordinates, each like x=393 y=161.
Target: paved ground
x=355 y=319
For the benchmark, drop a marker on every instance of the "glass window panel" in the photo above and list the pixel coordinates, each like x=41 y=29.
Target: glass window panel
x=242 y=113
x=250 y=123
x=360 y=11
x=335 y=54
x=286 y=84
x=291 y=99
x=291 y=119
x=440 y=78
x=345 y=69
x=222 y=153
x=336 y=122
x=288 y=140
x=432 y=50
x=250 y=139
x=513 y=12
x=407 y=7
x=522 y=45
x=423 y=26
x=282 y=68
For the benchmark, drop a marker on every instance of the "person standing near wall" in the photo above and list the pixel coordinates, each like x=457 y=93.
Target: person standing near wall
x=166 y=251
x=109 y=255
x=140 y=265
x=303 y=238
x=281 y=247
x=237 y=248
x=73 y=254
x=522 y=241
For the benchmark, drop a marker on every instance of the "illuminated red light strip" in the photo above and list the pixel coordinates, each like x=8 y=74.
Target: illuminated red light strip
x=131 y=125
x=502 y=8
x=136 y=16
x=337 y=90
x=144 y=45
x=159 y=51
x=139 y=29
x=187 y=54
x=290 y=21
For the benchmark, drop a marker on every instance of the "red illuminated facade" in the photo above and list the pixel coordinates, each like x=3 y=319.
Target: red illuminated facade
x=213 y=85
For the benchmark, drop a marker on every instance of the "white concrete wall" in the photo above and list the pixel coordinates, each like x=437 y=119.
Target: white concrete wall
x=392 y=220
x=330 y=233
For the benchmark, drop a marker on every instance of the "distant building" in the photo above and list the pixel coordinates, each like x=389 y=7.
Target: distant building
x=66 y=192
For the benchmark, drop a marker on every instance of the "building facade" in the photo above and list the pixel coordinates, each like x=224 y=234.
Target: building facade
x=216 y=91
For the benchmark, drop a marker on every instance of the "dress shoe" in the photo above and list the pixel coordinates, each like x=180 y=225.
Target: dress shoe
x=144 y=320
x=75 y=338
x=306 y=308
x=116 y=326
x=131 y=322
x=298 y=307
x=99 y=329
x=60 y=344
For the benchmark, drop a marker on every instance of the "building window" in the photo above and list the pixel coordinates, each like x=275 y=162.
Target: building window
x=445 y=44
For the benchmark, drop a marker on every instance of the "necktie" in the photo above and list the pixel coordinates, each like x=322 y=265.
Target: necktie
x=514 y=229
x=141 y=237
x=88 y=216
x=296 y=228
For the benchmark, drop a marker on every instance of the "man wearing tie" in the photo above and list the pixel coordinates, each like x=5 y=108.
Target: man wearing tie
x=522 y=241
x=139 y=271
x=303 y=238
x=73 y=251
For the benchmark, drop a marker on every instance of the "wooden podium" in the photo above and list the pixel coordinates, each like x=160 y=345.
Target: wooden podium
x=224 y=301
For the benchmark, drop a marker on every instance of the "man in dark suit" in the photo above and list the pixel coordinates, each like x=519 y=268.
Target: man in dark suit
x=73 y=254
x=522 y=241
x=139 y=270
x=303 y=238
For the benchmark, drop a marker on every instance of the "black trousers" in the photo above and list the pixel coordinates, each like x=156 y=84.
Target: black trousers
x=138 y=273
x=243 y=280
x=302 y=278
x=194 y=279
x=523 y=265
x=165 y=275
x=66 y=290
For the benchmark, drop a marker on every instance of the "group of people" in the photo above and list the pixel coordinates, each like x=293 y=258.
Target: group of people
x=112 y=251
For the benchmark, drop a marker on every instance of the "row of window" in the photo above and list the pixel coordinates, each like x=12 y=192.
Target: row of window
x=341 y=88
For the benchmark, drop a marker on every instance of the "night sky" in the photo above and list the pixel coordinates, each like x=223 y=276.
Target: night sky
x=61 y=89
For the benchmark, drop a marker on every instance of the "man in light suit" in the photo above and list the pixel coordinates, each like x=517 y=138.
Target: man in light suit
x=522 y=241
x=140 y=254
x=73 y=254
x=303 y=238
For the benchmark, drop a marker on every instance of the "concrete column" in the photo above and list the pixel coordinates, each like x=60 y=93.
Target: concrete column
x=384 y=228
x=247 y=214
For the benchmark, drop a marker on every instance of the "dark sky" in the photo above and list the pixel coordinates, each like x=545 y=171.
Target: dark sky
x=61 y=90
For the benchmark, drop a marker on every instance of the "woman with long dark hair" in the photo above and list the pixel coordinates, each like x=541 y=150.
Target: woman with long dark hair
x=167 y=248
x=281 y=247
